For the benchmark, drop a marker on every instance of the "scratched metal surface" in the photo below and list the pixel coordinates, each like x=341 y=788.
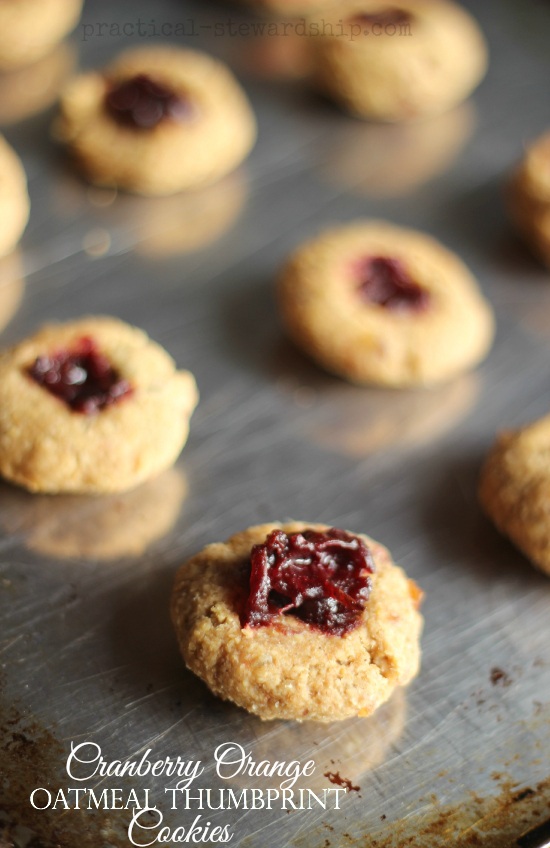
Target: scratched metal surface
x=86 y=647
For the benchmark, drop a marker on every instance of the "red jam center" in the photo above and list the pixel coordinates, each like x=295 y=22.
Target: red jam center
x=320 y=578
x=386 y=282
x=83 y=378
x=143 y=103
x=392 y=16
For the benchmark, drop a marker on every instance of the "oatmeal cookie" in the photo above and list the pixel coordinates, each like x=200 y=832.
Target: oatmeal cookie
x=391 y=61
x=14 y=200
x=375 y=303
x=514 y=489
x=90 y=406
x=157 y=120
x=29 y=29
x=528 y=197
x=326 y=659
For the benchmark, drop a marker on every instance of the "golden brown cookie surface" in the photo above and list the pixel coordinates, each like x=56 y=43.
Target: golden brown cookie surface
x=289 y=669
x=376 y=303
x=205 y=131
x=514 y=489
x=398 y=61
x=48 y=446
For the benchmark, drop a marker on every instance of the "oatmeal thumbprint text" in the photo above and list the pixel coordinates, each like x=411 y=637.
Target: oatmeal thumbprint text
x=196 y=805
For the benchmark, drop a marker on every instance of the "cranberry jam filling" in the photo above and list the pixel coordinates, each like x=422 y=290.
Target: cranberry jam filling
x=386 y=282
x=392 y=16
x=320 y=578
x=83 y=378
x=143 y=103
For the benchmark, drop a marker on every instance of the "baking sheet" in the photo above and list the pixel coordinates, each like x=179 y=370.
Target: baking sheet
x=87 y=652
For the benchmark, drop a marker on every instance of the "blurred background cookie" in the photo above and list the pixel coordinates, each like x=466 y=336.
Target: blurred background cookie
x=12 y=286
x=514 y=489
x=533 y=175
x=29 y=29
x=14 y=199
x=528 y=197
x=375 y=303
x=27 y=91
x=83 y=527
x=390 y=61
x=157 y=120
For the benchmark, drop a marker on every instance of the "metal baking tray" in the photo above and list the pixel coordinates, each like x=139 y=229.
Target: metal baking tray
x=87 y=652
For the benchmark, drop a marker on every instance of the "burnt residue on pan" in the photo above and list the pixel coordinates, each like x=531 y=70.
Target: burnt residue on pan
x=31 y=757
x=344 y=782
x=500 y=677
x=490 y=822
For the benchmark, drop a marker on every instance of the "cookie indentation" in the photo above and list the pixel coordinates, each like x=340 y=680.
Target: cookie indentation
x=143 y=103
x=386 y=282
x=83 y=378
x=322 y=578
x=392 y=16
